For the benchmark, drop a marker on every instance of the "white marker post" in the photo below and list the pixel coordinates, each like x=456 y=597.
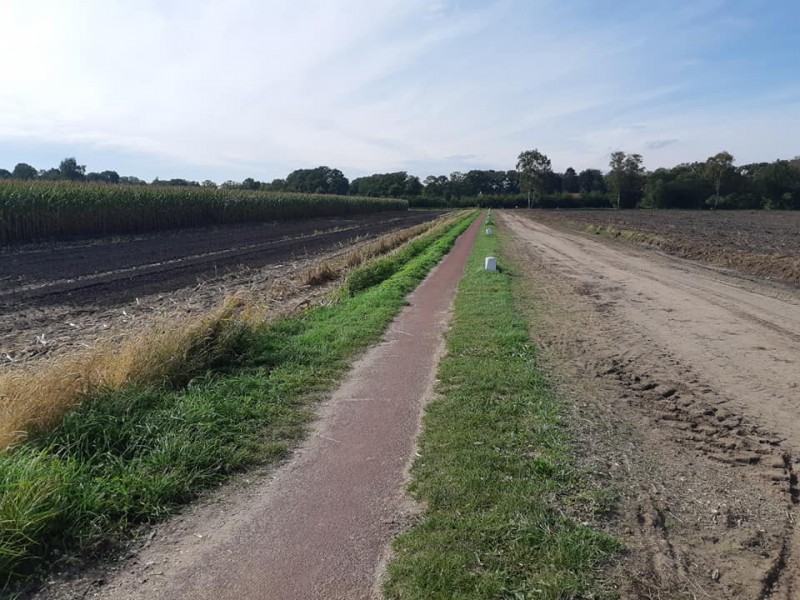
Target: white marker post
x=491 y=263
x=488 y=232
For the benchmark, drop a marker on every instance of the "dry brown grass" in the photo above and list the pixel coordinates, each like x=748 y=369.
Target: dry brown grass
x=31 y=400
x=35 y=397
x=333 y=268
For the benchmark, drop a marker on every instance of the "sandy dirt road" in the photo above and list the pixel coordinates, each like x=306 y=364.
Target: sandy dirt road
x=688 y=380
x=318 y=527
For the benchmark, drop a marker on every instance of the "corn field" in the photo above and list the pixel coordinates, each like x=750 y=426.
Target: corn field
x=31 y=211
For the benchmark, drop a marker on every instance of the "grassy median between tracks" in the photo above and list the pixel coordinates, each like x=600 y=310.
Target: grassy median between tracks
x=134 y=455
x=494 y=471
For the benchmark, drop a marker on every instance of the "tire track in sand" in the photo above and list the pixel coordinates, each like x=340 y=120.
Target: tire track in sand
x=700 y=369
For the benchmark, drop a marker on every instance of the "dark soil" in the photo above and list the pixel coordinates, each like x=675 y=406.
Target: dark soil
x=115 y=271
x=764 y=244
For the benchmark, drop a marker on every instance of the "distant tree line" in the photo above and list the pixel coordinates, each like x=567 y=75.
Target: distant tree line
x=68 y=170
x=715 y=183
x=718 y=184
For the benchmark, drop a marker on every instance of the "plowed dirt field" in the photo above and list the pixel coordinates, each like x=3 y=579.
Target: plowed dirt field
x=59 y=296
x=764 y=244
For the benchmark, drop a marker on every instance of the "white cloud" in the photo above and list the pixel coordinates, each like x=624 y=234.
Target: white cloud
x=368 y=85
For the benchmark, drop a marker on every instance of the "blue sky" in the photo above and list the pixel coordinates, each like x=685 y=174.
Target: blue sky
x=218 y=90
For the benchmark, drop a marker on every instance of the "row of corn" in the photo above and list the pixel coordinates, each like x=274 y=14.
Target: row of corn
x=31 y=211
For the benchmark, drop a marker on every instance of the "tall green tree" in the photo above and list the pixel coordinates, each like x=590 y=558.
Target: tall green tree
x=250 y=184
x=24 y=171
x=457 y=184
x=717 y=169
x=71 y=170
x=626 y=176
x=50 y=175
x=438 y=187
x=413 y=186
x=131 y=180
x=534 y=168
x=569 y=181
x=591 y=180
x=111 y=177
x=386 y=185
x=321 y=180
x=616 y=177
x=778 y=183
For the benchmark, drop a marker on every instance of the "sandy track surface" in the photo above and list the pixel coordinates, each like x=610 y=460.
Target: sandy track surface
x=686 y=386
x=319 y=526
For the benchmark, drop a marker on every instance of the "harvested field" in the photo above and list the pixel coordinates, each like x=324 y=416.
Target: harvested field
x=764 y=244
x=59 y=296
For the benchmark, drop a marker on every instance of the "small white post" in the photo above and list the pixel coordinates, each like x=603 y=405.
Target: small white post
x=488 y=232
x=491 y=263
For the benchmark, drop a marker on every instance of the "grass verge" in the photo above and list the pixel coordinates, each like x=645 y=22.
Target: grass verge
x=135 y=454
x=334 y=268
x=382 y=269
x=494 y=470
x=35 y=398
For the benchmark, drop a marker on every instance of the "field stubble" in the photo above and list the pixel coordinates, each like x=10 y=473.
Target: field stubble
x=64 y=297
x=165 y=339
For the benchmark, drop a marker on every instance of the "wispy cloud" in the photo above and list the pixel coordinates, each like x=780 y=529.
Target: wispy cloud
x=658 y=144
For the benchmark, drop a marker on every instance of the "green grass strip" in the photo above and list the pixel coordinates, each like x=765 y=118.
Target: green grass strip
x=380 y=270
x=494 y=470
x=135 y=456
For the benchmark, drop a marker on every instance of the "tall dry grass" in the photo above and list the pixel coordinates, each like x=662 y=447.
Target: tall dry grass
x=35 y=398
x=333 y=268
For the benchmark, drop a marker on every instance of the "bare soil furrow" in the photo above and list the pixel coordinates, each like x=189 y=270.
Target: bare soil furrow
x=64 y=297
x=760 y=244
x=119 y=272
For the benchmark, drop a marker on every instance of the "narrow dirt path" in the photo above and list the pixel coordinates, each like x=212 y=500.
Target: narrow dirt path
x=685 y=383
x=320 y=525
